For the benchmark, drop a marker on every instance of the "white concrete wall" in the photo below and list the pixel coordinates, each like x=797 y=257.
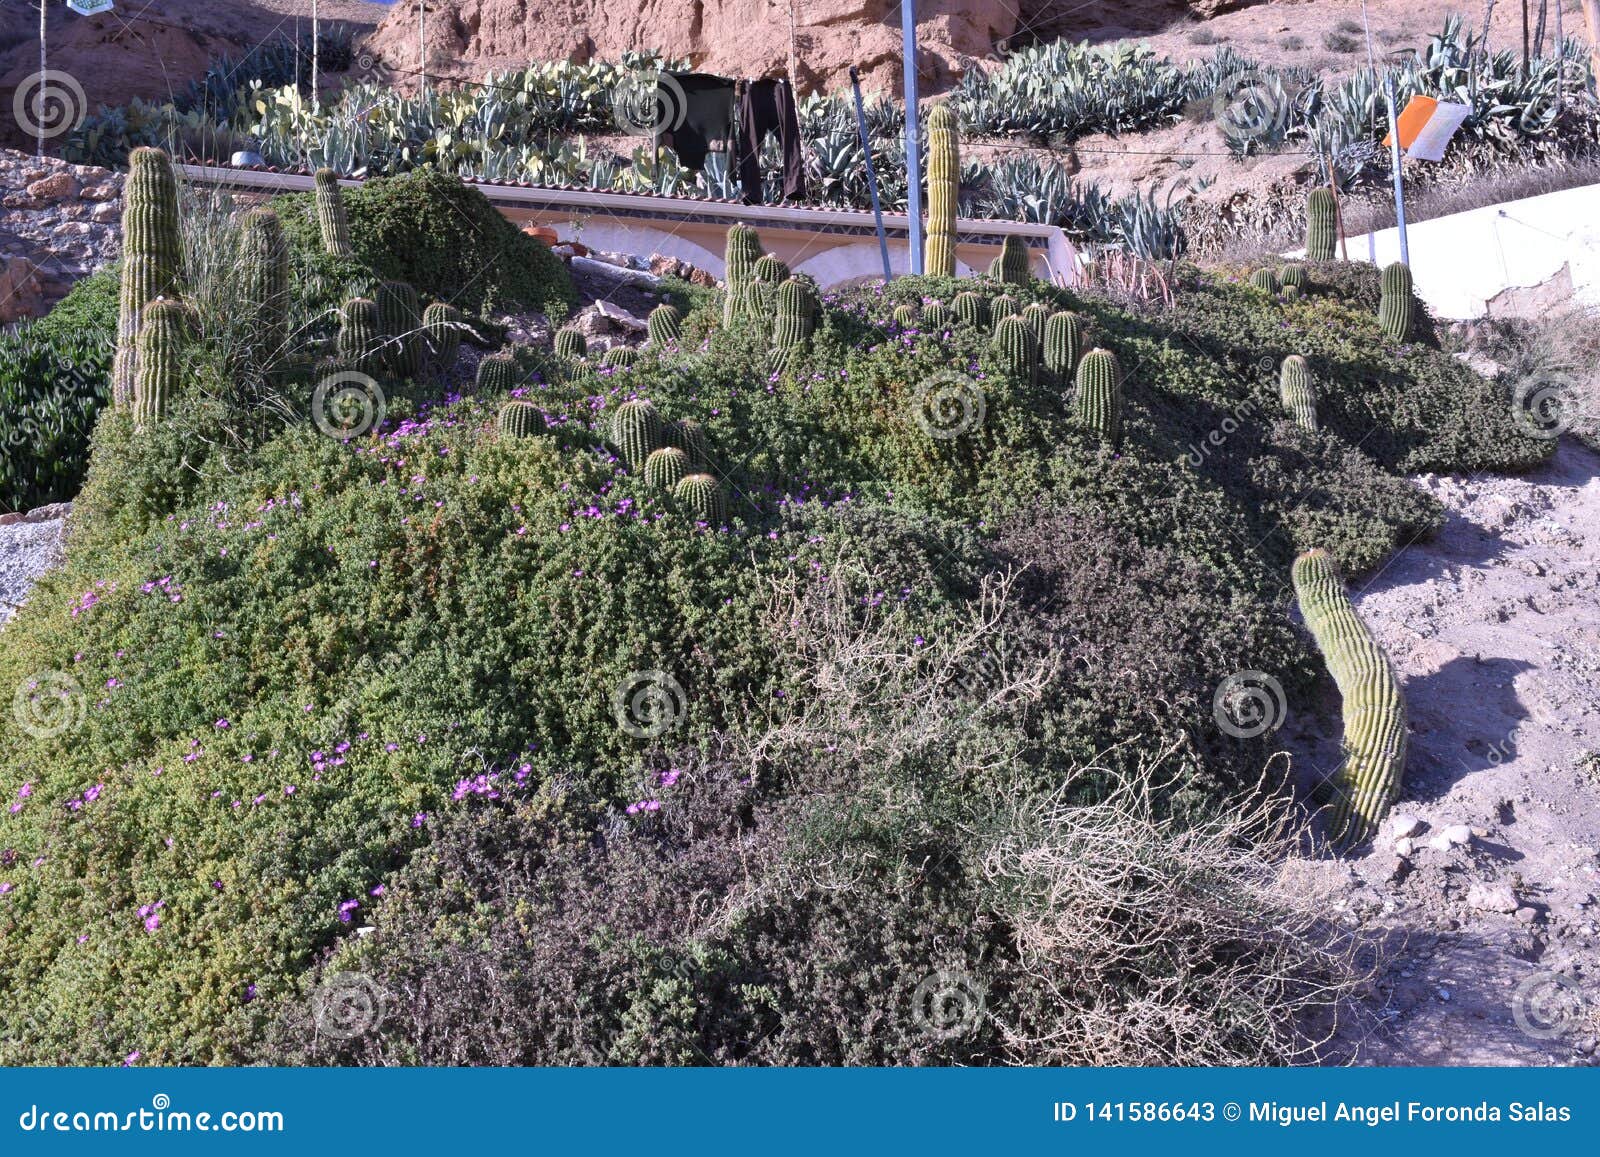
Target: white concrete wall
x=1462 y=262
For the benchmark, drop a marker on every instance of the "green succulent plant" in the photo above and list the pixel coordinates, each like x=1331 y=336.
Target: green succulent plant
x=666 y=467
x=152 y=257
x=1298 y=395
x=519 y=419
x=163 y=334
x=1322 y=233
x=701 y=499
x=1397 y=308
x=1099 y=395
x=637 y=431
x=944 y=180
x=331 y=219
x=665 y=325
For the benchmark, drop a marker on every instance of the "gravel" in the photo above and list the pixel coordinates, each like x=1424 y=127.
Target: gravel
x=27 y=550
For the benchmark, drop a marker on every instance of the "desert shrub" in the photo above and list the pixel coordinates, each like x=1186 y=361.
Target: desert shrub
x=442 y=237
x=53 y=382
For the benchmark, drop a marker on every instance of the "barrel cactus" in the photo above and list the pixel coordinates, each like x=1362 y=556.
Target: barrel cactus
x=700 y=497
x=619 y=357
x=665 y=325
x=163 y=333
x=1018 y=348
x=519 y=419
x=1294 y=275
x=1368 y=780
x=1292 y=294
x=152 y=256
x=331 y=218
x=636 y=430
x=1012 y=265
x=770 y=269
x=263 y=263
x=441 y=327
x=944 y=180
x=689 y=436
x=360 y=341
x=905 y=316
x=1003 y=306
x=936 y=316
x=1099 y=395
x=1322 y=225
x=1265 y=280
x=666 y=467
x=571 y=344
x=740 y=255
x=400 y=317
x=1036 y=314
x=797 y=318
x=1063 y=344
x=1397 y=308
x=497 y=373
x=1298 y=395
x=971 y=308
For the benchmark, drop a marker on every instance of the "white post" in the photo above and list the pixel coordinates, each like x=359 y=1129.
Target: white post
x=38 y=99
x=908 y=37
x=1394 y=157
x=422 y=43
x=316 y=58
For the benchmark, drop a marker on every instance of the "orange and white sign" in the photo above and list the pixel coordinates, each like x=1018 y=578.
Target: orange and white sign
x=1426 y=126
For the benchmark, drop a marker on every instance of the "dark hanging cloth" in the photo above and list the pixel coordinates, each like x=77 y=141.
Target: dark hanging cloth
x=697 y=109
x=767 y=106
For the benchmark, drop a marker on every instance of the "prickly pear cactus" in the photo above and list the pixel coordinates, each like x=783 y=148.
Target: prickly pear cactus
x=701 y=499
x=152 y=257
x=1298 y=395
x=1099 y=395
x=1368 y=781
x=1397 y=308
x=519 y=419
x=163 y=334
x=944 y=179
x=1063 y=345
x=666 y=467
x=665 y=325
x=331 y=218
x=1322 y=227
x=636 y=430
x=1018 y=348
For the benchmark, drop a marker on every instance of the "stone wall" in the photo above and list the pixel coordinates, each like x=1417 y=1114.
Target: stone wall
x=58 y=223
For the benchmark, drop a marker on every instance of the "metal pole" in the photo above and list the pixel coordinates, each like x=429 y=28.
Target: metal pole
x=1394 y=157
x=316 y=58
x=1561 y=62
x=872 y=176
x=38 y=99
x=422 y=43
x=1524 y=35
x=908 y=38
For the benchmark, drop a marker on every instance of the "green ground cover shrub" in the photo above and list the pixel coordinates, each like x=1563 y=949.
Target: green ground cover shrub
x=613 y=787
x=54 y=378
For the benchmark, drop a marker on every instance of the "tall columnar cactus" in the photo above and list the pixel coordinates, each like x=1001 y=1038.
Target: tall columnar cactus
x=152 y=257
x=1368 y=781
x=263 y=261
x=1003 y=306
x=1019 y=348
x=689 y=436
x=665 y=325
x=1063 y=345
x=944 y=180
x=936 y=317
x=1298 y=395
x=360 y=336
x=619 y=357
x=1322 y=225
x=1036 y=314
x=971 y=308
x=1265 y=280
x=701 y=499
x=400 y=316
x=519 y=419
x=666 y=467
x=905 y=316
x=1012 y=265
x=636 y=430
x=441 y=325
x=1099 y=395
x=571 y=344
x=1397 y=309
x=497 y=373
x=163 y=333
x=742 y=252
x=797 y=318
x=331 y=218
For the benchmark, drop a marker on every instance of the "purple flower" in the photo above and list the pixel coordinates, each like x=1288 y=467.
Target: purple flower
x=346 y=908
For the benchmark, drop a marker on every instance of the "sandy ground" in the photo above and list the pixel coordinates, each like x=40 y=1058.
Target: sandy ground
x=27 y=550
x=1491 y=946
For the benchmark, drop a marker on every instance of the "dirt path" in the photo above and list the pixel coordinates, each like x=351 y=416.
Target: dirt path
x=1493 y=928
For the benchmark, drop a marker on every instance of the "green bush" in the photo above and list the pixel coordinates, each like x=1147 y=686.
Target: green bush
x=53 y=382
x=441 y=236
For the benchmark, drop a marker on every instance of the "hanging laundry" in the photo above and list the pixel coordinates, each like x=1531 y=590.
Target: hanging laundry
x=768 y=106
x=698 y=111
